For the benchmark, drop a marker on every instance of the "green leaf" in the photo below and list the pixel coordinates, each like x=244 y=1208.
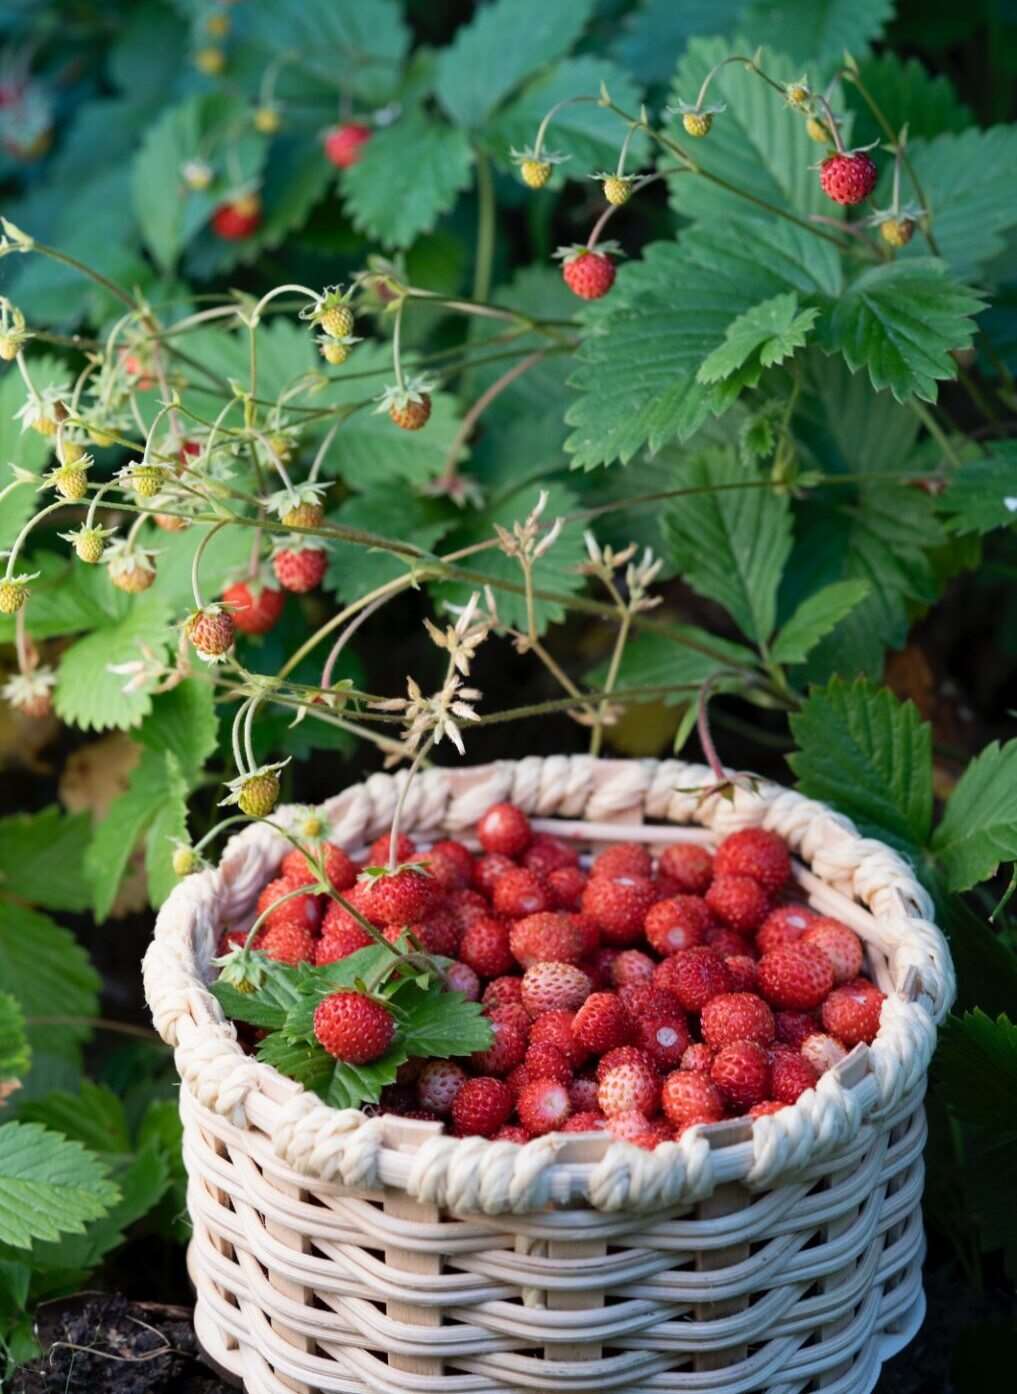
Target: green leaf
x=651 y=36
x=816 y=616
x=654 y=660
x=814 y=31
x=87 y=694
x=296 y=178
x=365 y=45
x=42 y=858
x=762 y=336
x=183 y=722
x=94 y=1117
x=731 y=543
x=977 y=1060
x=900 y=321
x=587 y=133
x=27 y=449
x=644 y=344
x=407 y=175
x=305 y=1061
x=868 y=755
x=48 y=1185
x=978 y=830
x=554 y=571
x=438 y=1024
x=504 y=43
x=167 y=827
x=845 y=426
x=986 y=964
x=982 y=493
x=353 y=1085
x=168 y=212
x=905 y=92
x=155 y=782
x=353 y=570
x=49 y=973
x=280 y=992
x=15 y=1052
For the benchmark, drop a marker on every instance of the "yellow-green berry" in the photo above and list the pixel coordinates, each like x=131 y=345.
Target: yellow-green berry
x=816 y=130
x=897 y=232
x=185 y=860
x=13 y=595
x=259 y=795
x=617 y=189
x=147 y=480
x=305 y=515
x=337 y=320
x=697 y=123
x=535 y=173
x=210 y=61
x=70 y=482
x=797 y=94
x=89 y=545
x=267 y=120
x=10 y=344
x=334 y=351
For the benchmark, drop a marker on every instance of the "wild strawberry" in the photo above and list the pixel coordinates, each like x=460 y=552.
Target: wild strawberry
x=380 y=848
x=534 y=173
x=740 y=901
x=400 y=898
x=678 y=923
x=504 y=828
x=617 y=189
x=583 y=1094
x=488 y=869
x=547 y=936
x=694 y=976
x=646 y=999
x=450 y=864
x=465 y=907
x=665 y=1040
x=688 y=864
x=741 y=1071
x=792 y=1028
x=354 y=1028
x=790 y=1075
x=785 y=925
x=623 y=1055
x=512 y=1132
x=697 y=1057
x=131 y=568
x=554 y=987
x=340 y=943
x=796 y=977
x=460 y=977
x=565 y=886
x=502 y=992
x=848 y=178
x=518 y=893
x=742 y=969
x=555 y=1028
x=237 y=219
x=411 y=413
x=299 y=567
x=587 y=1120
x=766 y=1107
x=254 y=609
x=629 y=1087
x=600 y=966
x=481 y=1106
x=515 y=1013
x=288 y=943
x=727 y=941
x=344 y=143
x=508 y=1044
x=897 y=232
x=841 y=945
x=852 y=1012
x=485 y=947
x=689 y=1096
x=623 y=859
x=587 y=274
x=543 y=1107
x=32 y=695
x=736 y=1016
x=299 y=868
x=757 y=853
x=601 y=1023
x=631 y=967
x=822 y=1051
x=547 y=853
x=618 y=905
x=397 y=1098
x=303 y=911
x=258 y=793
x=212 y=632
x=697 y=123
x=633 y=1127
x=546 y=1061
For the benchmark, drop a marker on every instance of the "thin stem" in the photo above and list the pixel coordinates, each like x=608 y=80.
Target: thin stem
x=237 y=728
x=274 y=458
x=934 y=429
x=322 y=451
x=19 y=541
x=705 y=738
x=252 y=707
x=393 y=841
x=850 y=75
x=28 y=659
x=621 y=638
x=396 y=338
x=99 y=1023
x=538 y=144
x=199 y=552
x=117 y=291
x=480 y=406
x=831 y=122
x=343 y=640
x=297 y=289
x=485 y=228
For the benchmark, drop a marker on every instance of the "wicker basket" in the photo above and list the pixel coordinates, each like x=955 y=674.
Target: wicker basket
x=333 y=1251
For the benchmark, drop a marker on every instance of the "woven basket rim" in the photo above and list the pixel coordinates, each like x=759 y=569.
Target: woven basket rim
x=841 y=872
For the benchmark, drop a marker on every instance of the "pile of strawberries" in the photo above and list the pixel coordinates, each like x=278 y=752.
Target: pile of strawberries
x=636 y=997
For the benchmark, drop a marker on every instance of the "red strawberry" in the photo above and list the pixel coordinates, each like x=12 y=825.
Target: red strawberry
x=508 y=1046
x=438 y=1084
x=601 y=1023
x=502 y=992
x=212 y=632
x=629 y=1087
x=512 y=1132
x=518 y=892
x=790 y=1075
x=766 y=1107
x=796 y=977
x=547 y=853
x=304 y=911
x=516 y=1013
x=728 y=942
x=588 y=274
x=636 y=1128
x=300 y=569
x=460 y=977
x=694 y=976
x=485 y=947
x=543 y=1107
x=851 y=1012
x=678 y=923
x=288 y=943
x=646 y=999
x=555 y=1028
x=297 y=867
x=623 y=859
x=785 y=925
x=689 y=1096
x=481 y=1107
x=487 y=870
x=848 y=178
x=665 y=1039
x=344 y=143
x=741 y=1071
x=583 y=1095
x=618 y=905
x=742 y=968
x=238 y=219
x=794 y=1027
x=412 y=413
x=757 y=853
x=256 y=609
x=623 y=1055
x=352 y=1027
x=545 y=1061
x=589 y=1120
x=822 y=1051
x=450 y=864
x=565 y=885
x=517 y=1080
x=340 y=943
x=688 y=865
x=465 y=907
x=554 y=987
x=378 y=852
x=697 y=1057
x=841 y=945
x=547 y=936
x=504 y=828
x=600 y=965
x=736 y=1016
x=400 y=898
x=739 y=901
x=632 y=967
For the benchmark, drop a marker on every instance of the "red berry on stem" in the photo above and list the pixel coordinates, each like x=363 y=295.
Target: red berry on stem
x=344 y=143
x=589 y=274
x=848 y=178
x=238 y=219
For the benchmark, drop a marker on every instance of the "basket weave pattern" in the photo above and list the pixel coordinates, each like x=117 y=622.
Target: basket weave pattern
x=338 y=1252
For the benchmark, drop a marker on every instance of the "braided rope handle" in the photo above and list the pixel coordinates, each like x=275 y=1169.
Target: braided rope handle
x=474 y=1175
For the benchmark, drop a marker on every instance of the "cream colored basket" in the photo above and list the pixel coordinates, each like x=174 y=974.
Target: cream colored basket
x=333 y=1251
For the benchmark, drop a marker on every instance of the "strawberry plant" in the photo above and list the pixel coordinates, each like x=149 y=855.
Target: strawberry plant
x=639 y=373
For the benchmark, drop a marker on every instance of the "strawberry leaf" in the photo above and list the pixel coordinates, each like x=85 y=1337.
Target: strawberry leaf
x=905 y=92
x=353 y=1085
x=155 y=785
x=813 y=31
x=436 y=1024
x=42 y=858
x=979 y=827
x=305 y=1061
x=48 y=1185
x=982 y=493
x=655 y=660
x=815 y=617
x=977 y=1059
x=15 y=1052
x=184 y=724
x=761 y=337
x=652 y=35
x=87 y=694
x=353 y=570
x=49 y=974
